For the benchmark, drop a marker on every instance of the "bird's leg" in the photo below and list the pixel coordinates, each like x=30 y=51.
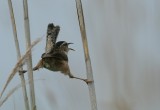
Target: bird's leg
x=67 y=70
x=85 y=80
x=39 y=65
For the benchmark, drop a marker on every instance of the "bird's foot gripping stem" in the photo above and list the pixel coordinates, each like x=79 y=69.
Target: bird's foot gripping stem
x=85 y=80
x=88 y=81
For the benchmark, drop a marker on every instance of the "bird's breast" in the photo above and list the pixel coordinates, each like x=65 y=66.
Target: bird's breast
x=50 y=64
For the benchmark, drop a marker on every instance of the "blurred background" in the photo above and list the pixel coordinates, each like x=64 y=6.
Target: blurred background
x=123 y=37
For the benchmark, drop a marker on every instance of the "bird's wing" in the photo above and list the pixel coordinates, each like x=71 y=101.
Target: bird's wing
x=52 y=34
x=60 y=56
x=57 y=56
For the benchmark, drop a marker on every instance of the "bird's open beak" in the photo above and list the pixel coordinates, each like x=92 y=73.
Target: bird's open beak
x=69 y=43
x=71 y=49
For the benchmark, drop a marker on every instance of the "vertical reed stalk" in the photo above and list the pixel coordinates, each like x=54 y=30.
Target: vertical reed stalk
x=29 y=61
x=20 y=62
x=86 y=54
x=18 y=54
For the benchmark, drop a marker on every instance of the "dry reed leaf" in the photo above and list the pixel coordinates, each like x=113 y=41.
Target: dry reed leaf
x=19 y=63
x=13 y=90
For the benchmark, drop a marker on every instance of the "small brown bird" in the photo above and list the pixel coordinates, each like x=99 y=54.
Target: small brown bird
x=58 y=60
x=55 y=57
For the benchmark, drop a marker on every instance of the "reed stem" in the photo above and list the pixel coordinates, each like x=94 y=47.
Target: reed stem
x=29 y=62
x=86 y=54
x=18 y=54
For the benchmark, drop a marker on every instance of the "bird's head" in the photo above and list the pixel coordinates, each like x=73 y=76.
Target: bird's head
x=63 y=46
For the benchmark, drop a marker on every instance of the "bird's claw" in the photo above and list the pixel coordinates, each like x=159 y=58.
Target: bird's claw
x=88 y=81
x=22 y=72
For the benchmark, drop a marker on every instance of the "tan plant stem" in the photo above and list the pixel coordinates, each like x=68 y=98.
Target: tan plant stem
x=18 y=55
x=29 y=61
x=18 y=64
x=86 y=54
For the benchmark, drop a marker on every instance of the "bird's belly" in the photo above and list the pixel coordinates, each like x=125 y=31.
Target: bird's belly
x=50 y=67
x=52 y=64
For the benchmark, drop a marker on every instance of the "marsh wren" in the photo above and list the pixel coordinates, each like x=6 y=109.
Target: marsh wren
x=55 y=57
x=58 y=60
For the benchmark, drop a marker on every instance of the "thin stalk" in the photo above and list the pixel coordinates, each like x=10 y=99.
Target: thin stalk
x=10 y=93
x=20 y=62
x=29 y=62
x=18 y=54
x=86 y=54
